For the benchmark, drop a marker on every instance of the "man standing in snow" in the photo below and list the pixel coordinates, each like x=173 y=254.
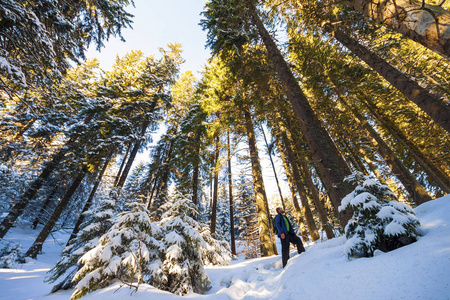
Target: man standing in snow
x=287 y=235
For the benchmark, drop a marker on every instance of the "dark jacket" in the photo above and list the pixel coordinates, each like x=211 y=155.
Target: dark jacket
x=281 y=225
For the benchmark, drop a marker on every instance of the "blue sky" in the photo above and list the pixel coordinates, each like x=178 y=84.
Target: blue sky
x=156 y=23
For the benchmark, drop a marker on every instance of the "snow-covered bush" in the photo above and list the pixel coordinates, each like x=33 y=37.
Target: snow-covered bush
x=214 y=251
x=98 y=220
x=129 y=251
x=378 y=221
x=11 y=255
x=182 y=266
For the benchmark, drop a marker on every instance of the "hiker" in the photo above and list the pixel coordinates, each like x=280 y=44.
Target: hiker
x=287 y=235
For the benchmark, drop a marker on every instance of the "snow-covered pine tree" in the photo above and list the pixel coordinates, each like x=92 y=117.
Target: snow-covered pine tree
x=217 y=249
x=11 y=255
x=214 y=251
x=246 y=219
x=128 y=252
x=97 y=222
x=182 y=265
x=223 y=214
x=378 y=221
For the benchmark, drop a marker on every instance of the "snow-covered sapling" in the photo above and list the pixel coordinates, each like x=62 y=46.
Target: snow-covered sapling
x=214 y=251
x=182 y=266
x=11 y=255
x=378 y=220
x=126 y=252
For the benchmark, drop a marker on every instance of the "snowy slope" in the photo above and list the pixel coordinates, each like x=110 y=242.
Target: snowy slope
x=418 y=271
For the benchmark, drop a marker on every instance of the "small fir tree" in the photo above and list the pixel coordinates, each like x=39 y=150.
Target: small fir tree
x=182 y=266
x=223 y=229
x=247 y=220
x=378 y=221
x=11 y=255
x=214 y=251
x=128 y=252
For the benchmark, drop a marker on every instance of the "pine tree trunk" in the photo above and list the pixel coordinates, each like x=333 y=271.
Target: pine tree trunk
x=316 y=198
x=434 y=107
x=300 y=188
x=330 y=164
x=36 y=248
x=414 y=188
x=297 y=208
x=196 y=170
x=122 y=165
x=274 y=170
x=215 y=186
x=195 y=176
x=433 y=172
x=211 y=183
x=153 y=184
x=19 y=207
x=134 y=151
x=89 y=202
x=230 y=193
x=268 y=246
x=429 y=26
x=163 y=183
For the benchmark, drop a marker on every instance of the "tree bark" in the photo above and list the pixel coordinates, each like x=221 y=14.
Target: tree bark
x=153 y=185
x=435 y=174
x=297 y=208
x=134 y=151
x=230 y=193
x=163 y=183
x=371 y=166
x=429 y=26
x=122 y=165
x=215 y=186
x=414 y=188
x=36 y=248
x=434 y=107
x=196 y=170
x=89 y=202
x=330 y=164
x=19 y=207
x=316 y=198
x=267 y=241
x=300 y=188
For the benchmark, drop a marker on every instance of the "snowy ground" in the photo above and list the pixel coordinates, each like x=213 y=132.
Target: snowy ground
x=418 y=271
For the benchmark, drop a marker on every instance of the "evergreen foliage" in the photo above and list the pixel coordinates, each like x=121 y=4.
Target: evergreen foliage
x=97 y=222
x=168 y=255
x=246 y=220
x=60 y=124
x=128 y=252
x=11 y=255
x=378 y=221
x=182 y=269
x=40 y=38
